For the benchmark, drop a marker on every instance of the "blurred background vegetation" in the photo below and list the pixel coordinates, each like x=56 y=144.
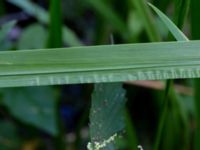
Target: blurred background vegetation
x=35 y=118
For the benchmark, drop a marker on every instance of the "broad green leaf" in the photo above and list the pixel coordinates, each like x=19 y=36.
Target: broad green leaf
x=148 y=61
x=29 y=38
x=42 y=16
x=33 y=105
x=106 y=115
x=9 y=138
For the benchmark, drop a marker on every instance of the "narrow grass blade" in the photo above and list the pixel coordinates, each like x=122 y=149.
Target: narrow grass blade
x=42 y=16
x=100 y=64
x=195 y=15
x=55 y=41
x=55 y=25
x=177 y=33
x=106 y=115
x=130 y=132
x=147 y=19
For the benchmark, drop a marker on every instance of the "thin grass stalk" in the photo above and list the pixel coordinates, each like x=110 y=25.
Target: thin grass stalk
x=130 y=131
x=55 y=26
x=55 y=41
x=195 y=24
x=169 y=85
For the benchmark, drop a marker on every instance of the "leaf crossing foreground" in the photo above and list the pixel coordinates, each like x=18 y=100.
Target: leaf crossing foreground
x=94 y=64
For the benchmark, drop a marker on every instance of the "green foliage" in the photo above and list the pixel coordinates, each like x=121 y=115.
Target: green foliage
x=90 y=64
x=55 y=25
x=109 y=14
x=106 y=115
x=42 y=16
x=196 y=35
x=181 y=12
x=147 y=19
x=33 y=105
x=170 y=25
x=29 y=39
x=110 y=127
x=171 y=106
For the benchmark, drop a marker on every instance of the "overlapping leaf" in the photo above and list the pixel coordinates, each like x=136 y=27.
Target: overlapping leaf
x=100 y=64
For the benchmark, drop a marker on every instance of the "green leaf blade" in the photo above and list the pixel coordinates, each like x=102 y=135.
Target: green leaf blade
x=96 y=64
x=177 y=33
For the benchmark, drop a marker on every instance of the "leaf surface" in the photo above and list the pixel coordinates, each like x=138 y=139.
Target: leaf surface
x=148 y=61
x=33 y=105
x=106 y=116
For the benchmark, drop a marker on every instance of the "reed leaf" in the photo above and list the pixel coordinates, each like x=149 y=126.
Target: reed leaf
x=147 y=61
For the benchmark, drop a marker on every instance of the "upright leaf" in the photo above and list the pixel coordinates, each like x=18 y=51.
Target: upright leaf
x=55 y=41
x=177 y=33
x=106 y=115
x=55 y=25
